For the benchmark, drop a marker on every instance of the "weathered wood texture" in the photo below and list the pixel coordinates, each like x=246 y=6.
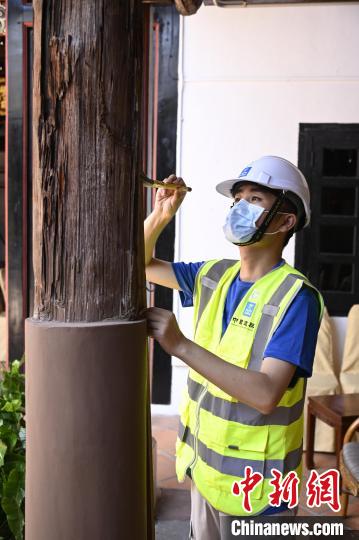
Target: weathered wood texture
x=88 y=222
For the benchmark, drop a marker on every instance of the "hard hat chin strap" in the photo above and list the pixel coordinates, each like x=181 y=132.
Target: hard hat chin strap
x=272 y=212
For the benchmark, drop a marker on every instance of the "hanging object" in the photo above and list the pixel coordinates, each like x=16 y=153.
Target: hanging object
x=184 y=7
x=187 y=7
x=2 y=19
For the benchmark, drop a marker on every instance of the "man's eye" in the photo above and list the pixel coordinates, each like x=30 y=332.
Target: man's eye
x=256 y=199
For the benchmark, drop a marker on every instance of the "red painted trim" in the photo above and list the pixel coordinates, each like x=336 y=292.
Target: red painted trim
x=6 y=198
x=145 y=127
x=156 y=28
x=25 y=194
x=145 y=87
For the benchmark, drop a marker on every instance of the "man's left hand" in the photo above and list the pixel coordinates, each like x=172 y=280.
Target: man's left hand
x=162 y=326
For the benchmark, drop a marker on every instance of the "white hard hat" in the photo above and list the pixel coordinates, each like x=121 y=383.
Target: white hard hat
x=273 y=172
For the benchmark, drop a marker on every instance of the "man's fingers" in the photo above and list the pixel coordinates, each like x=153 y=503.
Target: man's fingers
x=154 y=326
x=170 y=179
x=154 y=309
x=156 y=313
x=173 y=179
x=154 y=331
x=154 y=318
x=180 y=181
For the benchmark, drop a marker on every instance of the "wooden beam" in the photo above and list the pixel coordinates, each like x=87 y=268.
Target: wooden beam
x=87 y=399
x=88 y=231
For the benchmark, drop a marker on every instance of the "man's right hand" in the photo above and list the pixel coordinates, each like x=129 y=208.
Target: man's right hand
x=168 y=201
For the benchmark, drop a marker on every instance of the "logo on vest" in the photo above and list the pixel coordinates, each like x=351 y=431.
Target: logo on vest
x=248 y=310
x=243 y=324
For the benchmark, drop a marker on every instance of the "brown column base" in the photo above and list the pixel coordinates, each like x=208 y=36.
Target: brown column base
x=86 y=430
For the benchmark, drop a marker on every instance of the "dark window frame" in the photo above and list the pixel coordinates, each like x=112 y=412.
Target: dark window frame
x=313 y=138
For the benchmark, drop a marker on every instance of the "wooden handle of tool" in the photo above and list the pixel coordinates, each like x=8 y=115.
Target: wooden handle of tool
x=168 y=185
x=148 y=182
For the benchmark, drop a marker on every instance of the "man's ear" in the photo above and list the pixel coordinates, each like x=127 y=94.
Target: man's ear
x=289 y=223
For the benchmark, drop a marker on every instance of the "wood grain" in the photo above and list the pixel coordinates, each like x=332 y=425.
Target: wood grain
x=88 y=222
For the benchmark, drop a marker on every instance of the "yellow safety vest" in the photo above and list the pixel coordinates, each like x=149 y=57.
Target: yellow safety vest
x=218 y=435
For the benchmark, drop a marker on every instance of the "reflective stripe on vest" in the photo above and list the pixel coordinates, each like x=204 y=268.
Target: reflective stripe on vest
x=235 y=466
x=210 y=282
x=219 y=436
x=240 y=412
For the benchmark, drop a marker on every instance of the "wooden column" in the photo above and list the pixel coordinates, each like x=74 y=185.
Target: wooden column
x=85 y=346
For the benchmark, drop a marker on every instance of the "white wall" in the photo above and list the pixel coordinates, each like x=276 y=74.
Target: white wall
x=248 y=78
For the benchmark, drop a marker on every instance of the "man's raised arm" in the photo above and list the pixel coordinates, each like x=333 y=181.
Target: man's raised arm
x=167 y=203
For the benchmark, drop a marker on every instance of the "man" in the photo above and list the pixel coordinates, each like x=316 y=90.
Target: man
x=256 y=323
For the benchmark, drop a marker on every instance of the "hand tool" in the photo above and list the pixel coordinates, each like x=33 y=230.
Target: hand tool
x=148 y=182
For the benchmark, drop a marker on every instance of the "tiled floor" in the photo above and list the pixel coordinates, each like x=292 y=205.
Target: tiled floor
x=173 y=502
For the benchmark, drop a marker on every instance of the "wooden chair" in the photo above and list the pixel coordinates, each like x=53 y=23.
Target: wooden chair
x=349 y=466
x=349 y=373
x=324 y=381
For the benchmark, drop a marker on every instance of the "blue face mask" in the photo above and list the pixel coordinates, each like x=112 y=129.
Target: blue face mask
x=241 y=220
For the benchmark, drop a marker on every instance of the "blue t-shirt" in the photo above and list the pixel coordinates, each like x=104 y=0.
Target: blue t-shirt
x=295 y=338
